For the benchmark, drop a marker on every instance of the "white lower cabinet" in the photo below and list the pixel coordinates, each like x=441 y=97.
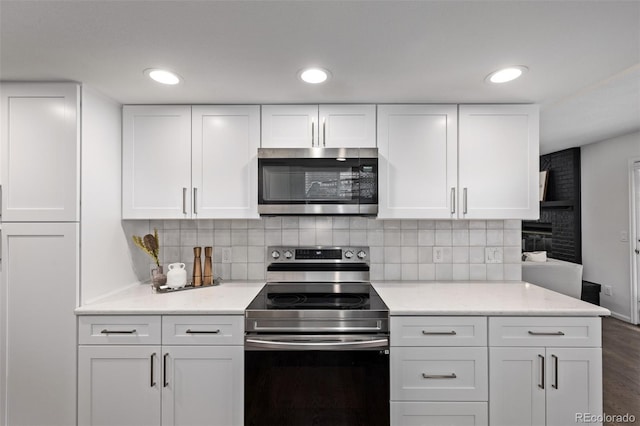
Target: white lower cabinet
x=197 y=383
x=544 y=386
x=540 y=384
x=119 y=385
x=436 y=384
x=203 y=385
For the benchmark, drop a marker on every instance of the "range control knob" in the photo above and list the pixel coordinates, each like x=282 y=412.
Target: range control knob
x=288 y=254
x=362 y=254
x=348 y=254
x=275 y=254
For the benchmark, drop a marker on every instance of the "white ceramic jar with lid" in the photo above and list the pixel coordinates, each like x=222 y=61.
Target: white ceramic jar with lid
x=176 y=275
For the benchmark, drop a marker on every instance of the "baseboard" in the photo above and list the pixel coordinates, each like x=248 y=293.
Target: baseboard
x=624 y=318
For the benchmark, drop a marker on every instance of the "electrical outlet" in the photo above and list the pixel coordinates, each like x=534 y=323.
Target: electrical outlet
x=624 y=236
x=608 y=291
x=226 y=255
x=493 y=255
x=437 y=255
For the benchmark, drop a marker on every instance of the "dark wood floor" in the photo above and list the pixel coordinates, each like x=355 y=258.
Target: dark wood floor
x=621 y=369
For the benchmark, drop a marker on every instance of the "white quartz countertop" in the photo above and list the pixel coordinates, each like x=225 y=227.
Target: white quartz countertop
x=480 y=298
x=228 y=298
x=402 y=298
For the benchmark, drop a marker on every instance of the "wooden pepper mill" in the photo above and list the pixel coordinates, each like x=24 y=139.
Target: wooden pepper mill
x=208 y=272
x=197 y=267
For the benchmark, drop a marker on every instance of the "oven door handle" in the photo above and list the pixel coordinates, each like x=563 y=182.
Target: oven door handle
x=320 y=345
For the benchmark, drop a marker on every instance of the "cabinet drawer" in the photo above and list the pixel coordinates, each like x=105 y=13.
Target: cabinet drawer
x=438 y=331
x=203 y=330
x=119 y=330
x=439 y=413
x=439 y=374
x=545 y=331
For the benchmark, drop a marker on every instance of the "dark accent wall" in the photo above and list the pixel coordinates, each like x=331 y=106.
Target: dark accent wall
x=561 y=207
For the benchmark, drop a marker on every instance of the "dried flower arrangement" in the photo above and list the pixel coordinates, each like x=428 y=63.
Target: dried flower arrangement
x=150 y=244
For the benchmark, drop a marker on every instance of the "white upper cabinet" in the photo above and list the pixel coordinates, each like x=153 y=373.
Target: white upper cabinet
x=289 y=126
x=156 y=162
x=179 y=163
x=326 y=126
x=498 y=162
x=40 y=152
x=417 y=160
x=224 y=161
x=347 y=126
x=466 y=162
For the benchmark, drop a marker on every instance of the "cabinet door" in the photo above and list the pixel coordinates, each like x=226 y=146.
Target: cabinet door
x=40 y=152
x=499 y=161
x=347 y=126
x=290 y=126
x=119 y=385
x=574 y=384
x=418 y=161
x=225 y=162
x=156 y=162
x=37 y=325
x=204 y=385
x=517 y=386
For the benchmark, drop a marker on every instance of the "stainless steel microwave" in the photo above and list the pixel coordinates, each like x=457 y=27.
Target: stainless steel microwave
x=317 y=181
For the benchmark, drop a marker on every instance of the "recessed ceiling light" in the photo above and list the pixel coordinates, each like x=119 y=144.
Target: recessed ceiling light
x=506 y=74
x=163 y=76
x=314 y=75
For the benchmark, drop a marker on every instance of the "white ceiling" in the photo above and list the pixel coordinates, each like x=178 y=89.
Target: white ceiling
x=583 y=56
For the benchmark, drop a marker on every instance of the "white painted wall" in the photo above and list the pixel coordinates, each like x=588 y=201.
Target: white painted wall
x=605 y=214
x=105 y=257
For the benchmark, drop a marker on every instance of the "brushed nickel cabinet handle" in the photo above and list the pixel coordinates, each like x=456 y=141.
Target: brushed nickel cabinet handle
x=105 y=331
x=189 y=331
x=464 y=200
x=153 y=359
x=542 y=333
x=195 y=200
x=555 y=374
x=541 y=384
x=324 y=132
x=453 y=200
x=313 y=132
x=439 y=333
x=439 y=376
x=184 y=200
x=165 y=382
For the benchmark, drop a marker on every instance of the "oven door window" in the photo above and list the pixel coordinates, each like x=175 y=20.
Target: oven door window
x=309 y=181
x=316 y=388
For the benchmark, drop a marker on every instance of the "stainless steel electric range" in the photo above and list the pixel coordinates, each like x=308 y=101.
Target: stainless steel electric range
x=317 y=341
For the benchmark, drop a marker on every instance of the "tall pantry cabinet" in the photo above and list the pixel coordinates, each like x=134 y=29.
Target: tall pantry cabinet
x=39 y=162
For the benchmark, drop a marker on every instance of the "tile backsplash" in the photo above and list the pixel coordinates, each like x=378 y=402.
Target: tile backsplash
x=443 y=250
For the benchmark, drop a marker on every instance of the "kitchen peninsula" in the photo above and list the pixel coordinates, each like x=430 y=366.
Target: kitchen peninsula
x=503 y=345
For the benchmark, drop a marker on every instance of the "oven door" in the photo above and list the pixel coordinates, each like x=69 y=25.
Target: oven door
x=331 y=184
x=316 y=380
